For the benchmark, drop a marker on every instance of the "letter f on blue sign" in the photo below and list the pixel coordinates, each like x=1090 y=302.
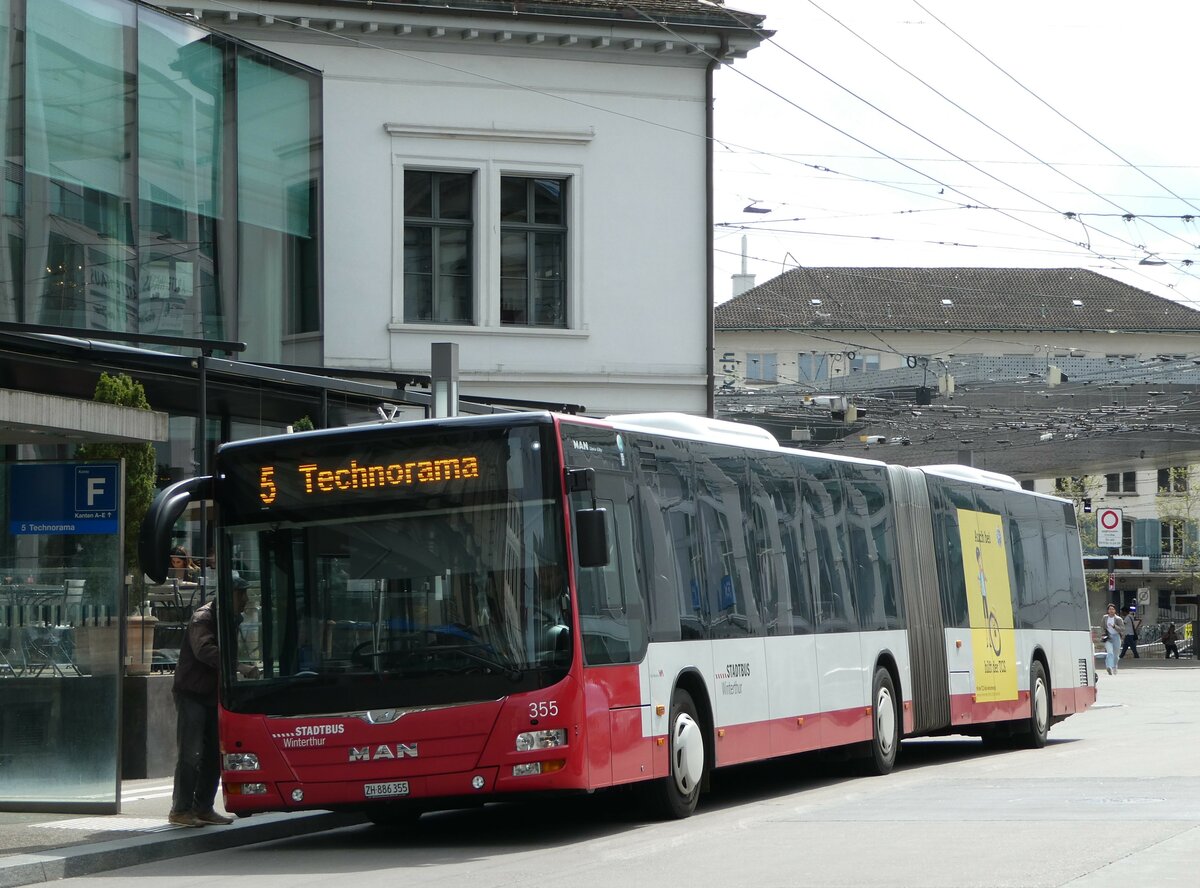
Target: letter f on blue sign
x=96 y=488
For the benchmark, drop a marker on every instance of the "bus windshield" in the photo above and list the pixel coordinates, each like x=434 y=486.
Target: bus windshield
x=412 y=569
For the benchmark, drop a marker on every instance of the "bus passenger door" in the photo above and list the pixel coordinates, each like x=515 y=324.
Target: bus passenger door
x=613 y=635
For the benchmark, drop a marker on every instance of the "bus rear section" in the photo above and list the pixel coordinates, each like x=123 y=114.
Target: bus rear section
x=1014 y=603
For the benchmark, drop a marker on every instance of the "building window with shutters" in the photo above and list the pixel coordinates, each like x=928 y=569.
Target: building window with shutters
x=864 y=363
x=762 y=367
x=1171 y=536
x=812 y=367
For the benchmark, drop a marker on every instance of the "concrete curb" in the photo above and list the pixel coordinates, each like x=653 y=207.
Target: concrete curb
x=84 y=860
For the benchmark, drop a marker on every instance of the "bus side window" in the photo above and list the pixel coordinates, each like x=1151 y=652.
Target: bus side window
x=1029 y=561
x=864 y=561
x=1058 y=569
x=773 y=488
x=1081 y=618
x=612 y=619
x=872 y=526
x=659 y=559
x=769 y=567
x=946 y=497
x=823 y=505
x=720 y=481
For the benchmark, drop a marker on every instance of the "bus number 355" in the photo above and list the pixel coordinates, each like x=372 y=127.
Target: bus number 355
x=543 y=709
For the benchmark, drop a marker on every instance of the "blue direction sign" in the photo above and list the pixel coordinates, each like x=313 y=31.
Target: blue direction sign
x=64 y=498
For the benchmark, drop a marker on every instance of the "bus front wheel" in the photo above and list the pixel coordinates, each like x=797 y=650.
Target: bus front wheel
x=885 y=718
x=676 y=795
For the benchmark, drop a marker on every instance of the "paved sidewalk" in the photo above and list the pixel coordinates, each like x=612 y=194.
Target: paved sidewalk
x=1150 y=661
x=43 y=847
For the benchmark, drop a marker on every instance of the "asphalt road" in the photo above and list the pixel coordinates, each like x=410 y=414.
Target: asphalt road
x=1113 y=800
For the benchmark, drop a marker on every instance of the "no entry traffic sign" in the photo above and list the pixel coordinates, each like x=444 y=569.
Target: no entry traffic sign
x=1108 y=528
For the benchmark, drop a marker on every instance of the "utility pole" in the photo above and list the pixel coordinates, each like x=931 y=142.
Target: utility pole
x=443 y=379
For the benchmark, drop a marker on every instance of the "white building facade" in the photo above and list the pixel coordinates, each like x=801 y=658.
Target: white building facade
x=532 y=186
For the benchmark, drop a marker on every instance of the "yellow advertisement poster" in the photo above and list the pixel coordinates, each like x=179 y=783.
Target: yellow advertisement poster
x=989 y=605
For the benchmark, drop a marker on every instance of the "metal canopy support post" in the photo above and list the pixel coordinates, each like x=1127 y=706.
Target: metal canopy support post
x=443 y=379
x=202 y=466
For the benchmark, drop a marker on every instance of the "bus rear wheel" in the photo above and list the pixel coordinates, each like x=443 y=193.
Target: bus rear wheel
x=676 y=795
x=886 y=727
x=1038 y=729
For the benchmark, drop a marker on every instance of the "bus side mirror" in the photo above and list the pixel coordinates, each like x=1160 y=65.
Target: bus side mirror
x=154 y=541
x=591 y=532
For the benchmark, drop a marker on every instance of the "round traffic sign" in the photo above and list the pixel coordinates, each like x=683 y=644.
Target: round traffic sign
x=1110 y=519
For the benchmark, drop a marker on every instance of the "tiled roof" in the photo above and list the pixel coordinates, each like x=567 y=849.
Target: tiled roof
x=697 y=12
x=951 y=299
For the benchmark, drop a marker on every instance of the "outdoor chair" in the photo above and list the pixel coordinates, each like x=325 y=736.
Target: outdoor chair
x=47 y=647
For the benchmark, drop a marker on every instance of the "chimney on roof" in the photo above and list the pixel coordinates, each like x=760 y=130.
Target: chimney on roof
x=742 y=282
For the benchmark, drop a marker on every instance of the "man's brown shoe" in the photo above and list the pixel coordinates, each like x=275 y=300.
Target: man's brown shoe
x=184 y=818
x=214 y=818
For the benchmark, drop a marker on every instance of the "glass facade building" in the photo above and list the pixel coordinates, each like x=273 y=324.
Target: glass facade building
x=160 y=178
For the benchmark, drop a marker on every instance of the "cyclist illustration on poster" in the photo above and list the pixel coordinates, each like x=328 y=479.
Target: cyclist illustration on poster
x=989 y=605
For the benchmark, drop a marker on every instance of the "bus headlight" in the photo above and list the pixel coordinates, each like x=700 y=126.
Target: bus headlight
x=241 y=761
x=531 y=740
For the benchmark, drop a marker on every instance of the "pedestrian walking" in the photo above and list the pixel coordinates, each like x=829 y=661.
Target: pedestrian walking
x=1132 y=624
x=198 y=766
x=1169 y=639
x=1112 y=628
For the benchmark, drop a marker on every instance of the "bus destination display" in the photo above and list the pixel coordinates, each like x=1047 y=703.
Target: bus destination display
x=311 y=479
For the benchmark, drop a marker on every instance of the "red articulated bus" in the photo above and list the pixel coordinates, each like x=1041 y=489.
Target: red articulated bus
x=477 y=608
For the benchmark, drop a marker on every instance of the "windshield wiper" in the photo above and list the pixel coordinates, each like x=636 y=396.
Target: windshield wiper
x=469 y=651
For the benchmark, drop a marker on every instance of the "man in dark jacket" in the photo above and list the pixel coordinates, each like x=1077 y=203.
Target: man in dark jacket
x=198 y=767
x=1132 y=624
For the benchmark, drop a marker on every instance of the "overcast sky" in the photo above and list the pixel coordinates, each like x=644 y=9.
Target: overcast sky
x=1102 y=91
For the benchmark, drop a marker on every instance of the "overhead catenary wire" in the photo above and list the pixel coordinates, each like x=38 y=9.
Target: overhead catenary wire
x=768 y=38
x=985 y=124
x=1106 y=147
x=298 y=23
x=902 y=185
x=994 y=161
x=1086 y=244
